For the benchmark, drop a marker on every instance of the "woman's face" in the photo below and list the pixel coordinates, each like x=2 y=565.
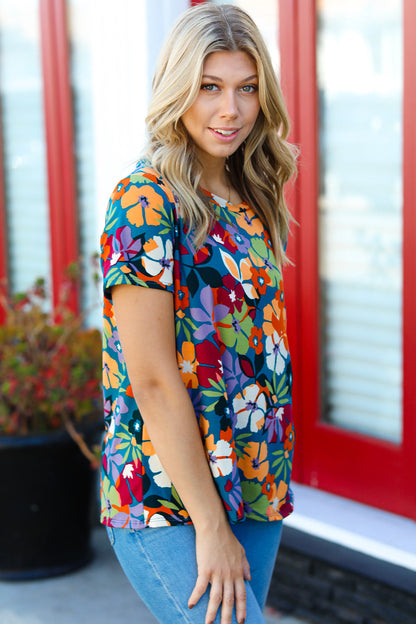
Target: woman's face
x=226 y=108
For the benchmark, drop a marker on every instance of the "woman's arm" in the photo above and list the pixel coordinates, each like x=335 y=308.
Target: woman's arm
x=145 y=322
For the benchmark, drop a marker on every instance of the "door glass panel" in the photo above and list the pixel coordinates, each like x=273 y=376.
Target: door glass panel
x=23 y=131
x=360 y=82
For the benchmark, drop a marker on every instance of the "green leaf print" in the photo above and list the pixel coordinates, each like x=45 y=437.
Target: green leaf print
x=260 y=506
x=138 y=178
x=217 y=392
x=109 y=492
x=235 y=330
x=253 y=495
x=251 y=491
x=240 y=443
x=175 y=495
x=169 y=504
x=261 y=255
x=282 y=464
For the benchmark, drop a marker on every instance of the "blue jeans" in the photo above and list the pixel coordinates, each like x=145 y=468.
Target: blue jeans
x=160 y=563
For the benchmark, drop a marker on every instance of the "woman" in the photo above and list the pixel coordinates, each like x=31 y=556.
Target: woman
x=197 y=377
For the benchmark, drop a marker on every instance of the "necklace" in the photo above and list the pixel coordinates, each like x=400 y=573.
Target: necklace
x=229 y=188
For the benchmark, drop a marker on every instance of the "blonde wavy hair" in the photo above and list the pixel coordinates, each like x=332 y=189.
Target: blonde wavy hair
x=262 y=165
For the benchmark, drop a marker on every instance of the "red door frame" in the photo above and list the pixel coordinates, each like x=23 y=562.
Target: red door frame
x=59 y=141
x=353 y=465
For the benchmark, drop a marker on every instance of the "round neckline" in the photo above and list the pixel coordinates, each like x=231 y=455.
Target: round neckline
x=213 y=195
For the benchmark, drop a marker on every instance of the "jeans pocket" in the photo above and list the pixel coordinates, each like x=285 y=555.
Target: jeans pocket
x=111 y=536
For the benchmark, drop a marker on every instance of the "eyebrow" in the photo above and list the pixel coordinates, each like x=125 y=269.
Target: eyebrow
x=221 y=80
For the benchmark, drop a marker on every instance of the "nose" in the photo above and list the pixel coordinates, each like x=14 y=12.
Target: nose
x=229 y=106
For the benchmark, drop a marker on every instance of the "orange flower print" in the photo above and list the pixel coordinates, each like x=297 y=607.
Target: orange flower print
x=144 y=204
x=181 y=295
x=269 y=487
x=111 y=374
x=255 y=340
x=254 y=463
x=105 y=246
x=120 y=189
x=277 y=502
x=188 y=364
x=280 y=297
x=147 y=446
x=250 y=222
x=274 y=319
x=260 y=279
x=108 y=311
x=289 y=437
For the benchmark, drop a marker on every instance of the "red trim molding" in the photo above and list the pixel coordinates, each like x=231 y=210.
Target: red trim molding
x=409 y=260
x=59 y=139
x=297 y=47
x=289 y=55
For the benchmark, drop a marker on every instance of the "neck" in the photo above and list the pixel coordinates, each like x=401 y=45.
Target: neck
x=214 y=178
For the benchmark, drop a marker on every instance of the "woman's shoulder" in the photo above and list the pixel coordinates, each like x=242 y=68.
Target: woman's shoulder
x=144 y=179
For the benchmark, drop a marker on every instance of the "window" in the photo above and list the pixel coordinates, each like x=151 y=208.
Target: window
x=24 y=160
x=360 y=82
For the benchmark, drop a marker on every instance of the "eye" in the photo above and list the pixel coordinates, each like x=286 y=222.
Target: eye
x=249 y=88
x=209 y=87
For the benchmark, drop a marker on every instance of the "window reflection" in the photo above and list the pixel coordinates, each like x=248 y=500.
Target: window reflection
x=23 y=146
x=360 y=91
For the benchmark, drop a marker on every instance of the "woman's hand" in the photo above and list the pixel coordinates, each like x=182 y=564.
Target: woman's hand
x=221 y=563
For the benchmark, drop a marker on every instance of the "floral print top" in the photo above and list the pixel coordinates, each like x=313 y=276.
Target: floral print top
x=232 y=354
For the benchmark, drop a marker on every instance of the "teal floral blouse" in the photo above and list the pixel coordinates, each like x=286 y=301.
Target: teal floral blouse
x=232 y=354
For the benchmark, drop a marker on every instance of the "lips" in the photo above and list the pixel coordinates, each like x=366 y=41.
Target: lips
x=225 y=133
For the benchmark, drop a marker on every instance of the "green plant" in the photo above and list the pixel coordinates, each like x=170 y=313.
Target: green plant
x=50 y=365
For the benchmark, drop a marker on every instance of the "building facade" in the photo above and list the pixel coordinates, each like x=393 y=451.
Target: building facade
x=75 y=79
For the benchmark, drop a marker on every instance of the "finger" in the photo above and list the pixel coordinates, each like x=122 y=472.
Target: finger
x=227 y=602
x=198 y=591
x=240 y=597
x=215 y=598
x=246 y=568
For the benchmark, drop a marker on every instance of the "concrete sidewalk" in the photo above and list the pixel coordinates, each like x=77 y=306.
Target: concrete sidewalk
x=97 y=594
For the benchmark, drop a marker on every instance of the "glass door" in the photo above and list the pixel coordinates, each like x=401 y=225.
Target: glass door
x=348 y=77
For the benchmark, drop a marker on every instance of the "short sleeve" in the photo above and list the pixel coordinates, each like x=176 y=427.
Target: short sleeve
x=138 y=239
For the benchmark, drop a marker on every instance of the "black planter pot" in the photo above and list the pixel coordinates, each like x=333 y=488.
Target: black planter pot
x=46 y=494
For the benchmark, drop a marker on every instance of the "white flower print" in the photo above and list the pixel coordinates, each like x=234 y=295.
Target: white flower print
x=219 y=459
x=217 y=238
x=276 y=353
x=114 y=258
x=159 y=474
x=159 y=258
x=128 y=471
x=250 y=408
x=157 y=520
